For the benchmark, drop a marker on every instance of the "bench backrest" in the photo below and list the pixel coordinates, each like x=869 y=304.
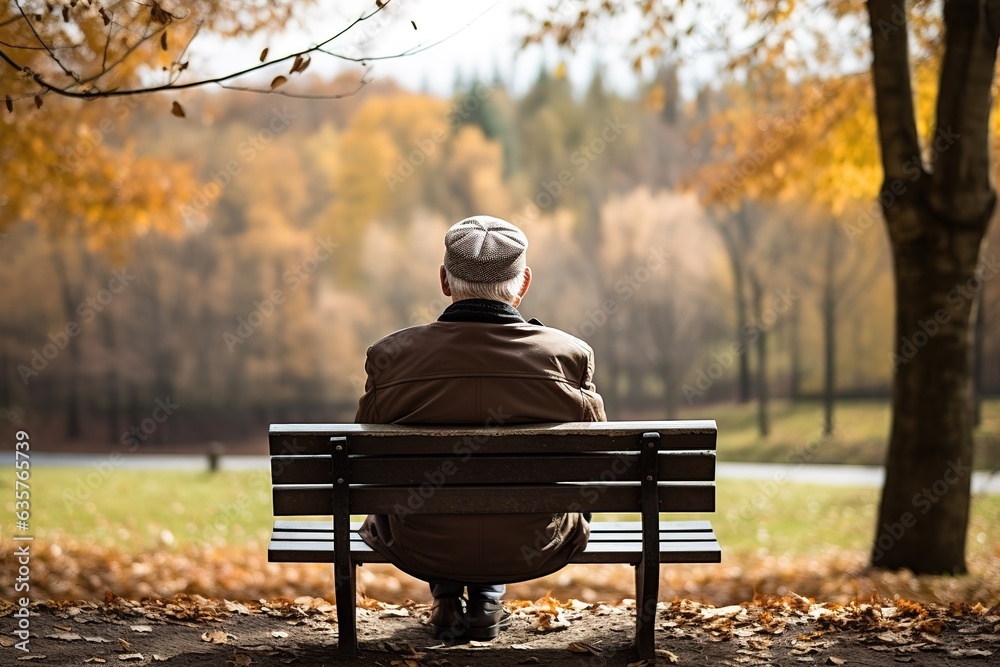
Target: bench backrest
x=324 y=469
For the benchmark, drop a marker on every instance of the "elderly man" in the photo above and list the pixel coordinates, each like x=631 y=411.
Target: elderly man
x=479 y=363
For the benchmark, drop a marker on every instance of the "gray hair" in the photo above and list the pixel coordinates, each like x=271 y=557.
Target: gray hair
x=505 y=291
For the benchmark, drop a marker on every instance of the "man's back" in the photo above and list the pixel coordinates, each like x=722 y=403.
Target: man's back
x=479 y=373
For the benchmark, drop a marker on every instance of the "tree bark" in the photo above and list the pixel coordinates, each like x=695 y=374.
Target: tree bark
x=978 y=360
x=936 y=222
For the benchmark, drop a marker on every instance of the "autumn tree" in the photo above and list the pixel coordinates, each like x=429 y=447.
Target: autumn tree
x=937 y=199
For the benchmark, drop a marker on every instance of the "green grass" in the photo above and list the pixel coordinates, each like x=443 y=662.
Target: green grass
x=135 y=510
x=860 y=437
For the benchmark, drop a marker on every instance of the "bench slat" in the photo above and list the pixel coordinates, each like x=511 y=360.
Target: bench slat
x=499 y=499
x=595 y=527
x=704 y=549
x=372 y=439
x=524 y=469
x=314 y=536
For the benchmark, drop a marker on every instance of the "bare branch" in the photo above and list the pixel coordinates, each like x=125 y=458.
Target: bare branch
x=41 y=41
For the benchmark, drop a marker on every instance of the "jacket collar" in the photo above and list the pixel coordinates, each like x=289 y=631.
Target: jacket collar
x=481 y=310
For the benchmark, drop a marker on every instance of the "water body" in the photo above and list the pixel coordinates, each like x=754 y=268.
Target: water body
x=835 y=475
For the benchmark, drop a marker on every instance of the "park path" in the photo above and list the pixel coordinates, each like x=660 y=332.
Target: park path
x=831 y=474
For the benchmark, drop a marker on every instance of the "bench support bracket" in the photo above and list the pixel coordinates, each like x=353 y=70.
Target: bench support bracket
x=647 y=572
x=343 y=569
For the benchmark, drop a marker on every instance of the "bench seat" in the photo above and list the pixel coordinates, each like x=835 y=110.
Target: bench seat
x=610 y=542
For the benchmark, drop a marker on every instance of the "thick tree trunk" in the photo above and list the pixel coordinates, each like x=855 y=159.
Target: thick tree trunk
x=925 y=504
x=936 y=221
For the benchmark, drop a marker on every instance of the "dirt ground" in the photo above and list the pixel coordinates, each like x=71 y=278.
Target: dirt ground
x=792 y=630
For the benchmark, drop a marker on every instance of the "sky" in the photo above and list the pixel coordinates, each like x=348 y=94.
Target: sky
x=480 y=38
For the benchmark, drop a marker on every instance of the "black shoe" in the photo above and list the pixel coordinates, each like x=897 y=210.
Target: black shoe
x=485 y=618
x=448 y=618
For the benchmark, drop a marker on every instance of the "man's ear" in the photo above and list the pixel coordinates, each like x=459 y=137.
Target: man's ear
x=445 y=287
x=524 y=286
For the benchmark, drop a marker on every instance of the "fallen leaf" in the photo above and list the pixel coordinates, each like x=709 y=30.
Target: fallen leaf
x=277 y=81
x=6 y=641
x=241 y=660
x=279 y=634
x=35 y=656
x=833 y=660
x=669 y=656
x=214 y=637
x=583 y=647
x=125 y=644
x=97 y=660
x=398 y=613
x=64 y=628
x=521 y=647
x=160 y=658
x=97 y=640
x=141 y=628
x=65 y=636
x=970 y=653
x=177 y=110
x=236 y=607
x=130 y=656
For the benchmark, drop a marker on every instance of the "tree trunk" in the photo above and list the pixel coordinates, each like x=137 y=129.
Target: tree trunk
x=795 y=381
x=936 y=221
x=70 y=298
x=925 y=503
x=978 y=360
x=829 y=331
x=741 y=319
x=113 y=408
x=763 y=421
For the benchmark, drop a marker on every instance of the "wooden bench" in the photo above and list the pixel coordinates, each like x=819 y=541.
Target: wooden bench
x=646 y=467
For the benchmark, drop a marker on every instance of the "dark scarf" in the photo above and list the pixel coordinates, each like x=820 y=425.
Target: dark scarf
x=482 y=310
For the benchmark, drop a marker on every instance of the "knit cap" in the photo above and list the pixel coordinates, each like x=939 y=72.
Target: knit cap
x=484 y=249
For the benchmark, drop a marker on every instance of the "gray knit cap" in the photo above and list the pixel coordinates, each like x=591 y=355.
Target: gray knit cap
x=484 y=249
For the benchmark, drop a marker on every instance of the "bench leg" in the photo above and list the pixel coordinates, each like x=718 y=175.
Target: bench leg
x=647 y=584
x=347 y=619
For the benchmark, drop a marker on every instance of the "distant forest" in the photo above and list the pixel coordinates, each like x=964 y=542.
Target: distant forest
x=279 y=238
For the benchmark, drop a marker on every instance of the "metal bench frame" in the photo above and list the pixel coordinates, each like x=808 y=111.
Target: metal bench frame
x=646 y=467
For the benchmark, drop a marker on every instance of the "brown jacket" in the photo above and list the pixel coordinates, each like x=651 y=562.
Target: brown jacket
x=486 y=366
